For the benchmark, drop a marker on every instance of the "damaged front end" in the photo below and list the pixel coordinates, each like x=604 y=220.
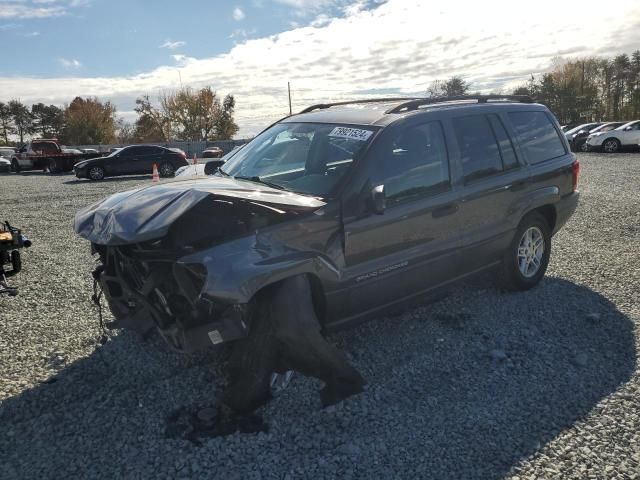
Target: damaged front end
x=157 y=253
x=146 y=288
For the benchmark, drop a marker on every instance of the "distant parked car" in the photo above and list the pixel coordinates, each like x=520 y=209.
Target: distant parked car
x=5 y=165
x=75 y=151
x=579 y=130
x=580 y=141
x=625 y=136
x=135 y=159
x=7 y=152
x=89 y=150
x=212 y=152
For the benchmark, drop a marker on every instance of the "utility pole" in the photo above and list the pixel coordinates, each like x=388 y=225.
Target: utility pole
x=289 y=88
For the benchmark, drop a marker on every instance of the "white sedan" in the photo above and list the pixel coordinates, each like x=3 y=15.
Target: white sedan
x=626 y=135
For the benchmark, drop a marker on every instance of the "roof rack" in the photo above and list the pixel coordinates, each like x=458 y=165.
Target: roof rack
x=417 y=103
x=322 y=106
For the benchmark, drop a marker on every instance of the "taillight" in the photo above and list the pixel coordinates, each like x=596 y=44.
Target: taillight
x=575 y=172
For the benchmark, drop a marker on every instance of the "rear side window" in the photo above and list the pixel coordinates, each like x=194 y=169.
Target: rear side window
x=479 y=150
x=537 y=136
x=507 y=152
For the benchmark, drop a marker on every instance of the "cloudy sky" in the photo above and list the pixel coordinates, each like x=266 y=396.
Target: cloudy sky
x=53 y=50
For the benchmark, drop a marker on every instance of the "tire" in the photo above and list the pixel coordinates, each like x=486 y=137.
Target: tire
x=15 y=166
x=53 y=166
x=611 y=145
x=95 y=173
x=167 y=170
x=520 y=270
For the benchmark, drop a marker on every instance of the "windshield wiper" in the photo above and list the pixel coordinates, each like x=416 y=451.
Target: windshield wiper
x=257 y=179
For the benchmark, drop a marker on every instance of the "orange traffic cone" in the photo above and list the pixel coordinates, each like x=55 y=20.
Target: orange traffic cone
x=156 y=176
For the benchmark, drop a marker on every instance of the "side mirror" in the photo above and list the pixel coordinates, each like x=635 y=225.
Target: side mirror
x=628 y=128
x=378 y=200
x=581 y=132
x=212 y=166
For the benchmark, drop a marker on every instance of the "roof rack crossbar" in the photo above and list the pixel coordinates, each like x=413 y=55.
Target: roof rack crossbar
x=322 y=106
x=415 y=104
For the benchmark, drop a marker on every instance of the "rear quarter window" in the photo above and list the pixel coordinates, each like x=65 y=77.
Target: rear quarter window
x=537 y=136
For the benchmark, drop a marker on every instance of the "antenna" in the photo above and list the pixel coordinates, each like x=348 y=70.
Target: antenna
x=289 y=88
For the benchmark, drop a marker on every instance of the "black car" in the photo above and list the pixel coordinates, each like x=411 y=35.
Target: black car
x=135 y=159
x=350 y=209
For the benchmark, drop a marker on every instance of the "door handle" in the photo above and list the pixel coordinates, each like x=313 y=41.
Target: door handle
x=445 y=210
x=517 y=186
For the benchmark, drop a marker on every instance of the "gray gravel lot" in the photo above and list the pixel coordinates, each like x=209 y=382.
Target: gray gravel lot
x=480 y=384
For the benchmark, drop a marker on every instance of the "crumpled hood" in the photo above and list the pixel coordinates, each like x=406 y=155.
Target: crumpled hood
x=147 y=213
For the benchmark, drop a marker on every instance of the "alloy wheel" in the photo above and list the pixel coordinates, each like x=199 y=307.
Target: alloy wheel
x=610 y=146
x=96 y=173
x=531 y=252
x=166 y=170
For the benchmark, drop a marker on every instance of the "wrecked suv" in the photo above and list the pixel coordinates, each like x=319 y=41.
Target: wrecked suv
x=330 y=216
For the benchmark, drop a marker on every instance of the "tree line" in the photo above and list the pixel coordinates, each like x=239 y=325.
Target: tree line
x=576 y=91
x=185 y=114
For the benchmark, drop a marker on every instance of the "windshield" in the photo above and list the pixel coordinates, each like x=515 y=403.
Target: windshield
x=584 y=126
x=606 y=127
x=628 y=124
x=306 y=158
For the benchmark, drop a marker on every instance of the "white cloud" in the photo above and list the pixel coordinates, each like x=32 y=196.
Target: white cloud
x=172 y=45
x=238 y=14
x=306 y=4
x=38 y=8
x=398 y=48
x=70 y=63
x=14 y=10
x=321 y=20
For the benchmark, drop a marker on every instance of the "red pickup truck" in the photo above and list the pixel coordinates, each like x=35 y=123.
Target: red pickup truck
x=47 y=155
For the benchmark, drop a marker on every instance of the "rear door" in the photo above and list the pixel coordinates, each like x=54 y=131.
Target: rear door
x=493 y=177
x=153 y=155
x=131 y=161
x=411 y=246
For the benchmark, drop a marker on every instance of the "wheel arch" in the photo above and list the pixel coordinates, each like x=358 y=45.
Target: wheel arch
x=317 y=293
x=548 y=211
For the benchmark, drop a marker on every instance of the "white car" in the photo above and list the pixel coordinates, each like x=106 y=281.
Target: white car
x=7 y=152
x=626 y=135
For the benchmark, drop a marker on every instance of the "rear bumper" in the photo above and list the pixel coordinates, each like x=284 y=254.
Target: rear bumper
x=565 y=208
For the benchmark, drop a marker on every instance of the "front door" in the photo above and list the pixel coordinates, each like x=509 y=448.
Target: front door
x=411 y=246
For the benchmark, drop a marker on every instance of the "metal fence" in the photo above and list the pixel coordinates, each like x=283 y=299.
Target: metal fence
x=190 y=148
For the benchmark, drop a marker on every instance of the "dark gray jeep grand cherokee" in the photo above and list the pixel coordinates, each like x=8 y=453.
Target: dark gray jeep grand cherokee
x=332 y=215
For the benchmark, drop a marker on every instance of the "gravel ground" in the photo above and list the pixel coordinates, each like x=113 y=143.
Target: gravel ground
x=481 y=384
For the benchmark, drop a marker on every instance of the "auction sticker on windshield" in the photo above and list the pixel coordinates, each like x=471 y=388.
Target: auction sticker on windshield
x=351 y=133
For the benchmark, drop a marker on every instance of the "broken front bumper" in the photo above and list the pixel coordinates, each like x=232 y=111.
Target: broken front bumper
x=149 y=288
